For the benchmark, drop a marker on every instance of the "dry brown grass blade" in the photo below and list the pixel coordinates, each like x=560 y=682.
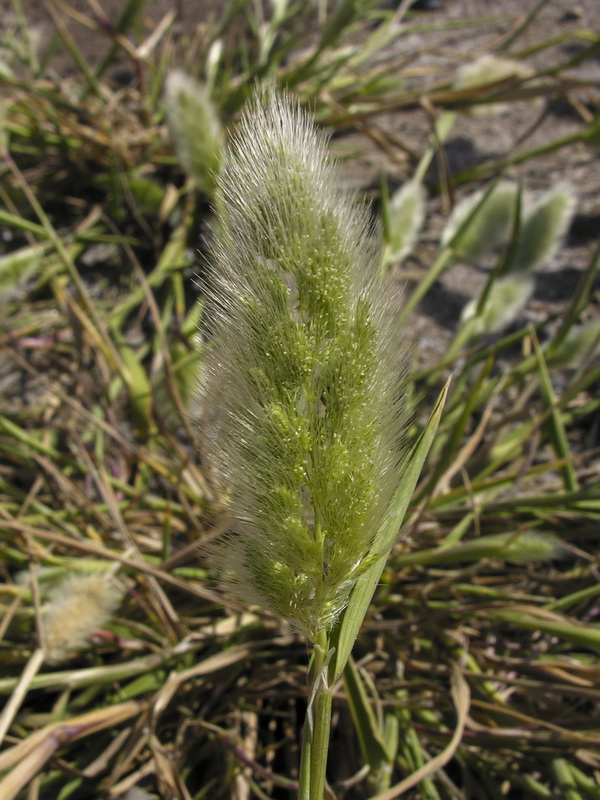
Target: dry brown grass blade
x=510 y=678
x=137 y=740
x=209 y=665
x=111 y=555
x=563 y=735
x=20 y=690
x=102 y=762
x=158 y=599
x=505 y=91
x=29 y=767
x=169 y=780
x=258 y=769
x=208 y=491
x=31 y=754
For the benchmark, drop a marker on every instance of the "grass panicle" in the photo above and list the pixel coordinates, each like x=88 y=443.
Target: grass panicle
x=305 y=378
x=481 y=223
x=505 y=300
x=530 y=237
x=402 y=217
x=76 y=607
x=195 y=127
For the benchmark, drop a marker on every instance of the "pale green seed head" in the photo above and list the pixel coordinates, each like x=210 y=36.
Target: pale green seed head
x=545 y=223
x=480 y=224
x=580 y=344
x=195 y=128
x=489 y=69
x=505 y=300
x=304 y=382
x=405 y=218
x=76 y=606
x=16 y=269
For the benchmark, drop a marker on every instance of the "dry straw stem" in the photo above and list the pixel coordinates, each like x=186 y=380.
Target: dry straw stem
x=31 y=754
x=497 y=72
x=304 y=389
x=20 y=690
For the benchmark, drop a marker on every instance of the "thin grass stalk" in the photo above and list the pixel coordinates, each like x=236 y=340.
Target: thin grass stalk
x=97 y=327
x=316 y=731
x=461 y=697
x=475 y=173
x=522 y=27
x=560 y=442
x=579 y=302
x=24 y=32
x=20 y=690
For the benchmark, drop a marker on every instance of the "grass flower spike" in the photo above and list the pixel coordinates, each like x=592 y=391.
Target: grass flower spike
x=305 y=380
x=540 y=231
x=402 y=217
x=76 y=607
x=195 y=128
x=490 y=69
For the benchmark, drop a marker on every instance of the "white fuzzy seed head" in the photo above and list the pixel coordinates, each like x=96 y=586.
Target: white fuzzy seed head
x=505 y=300
x=545 y=224
x=480 y=224
x=76 y=607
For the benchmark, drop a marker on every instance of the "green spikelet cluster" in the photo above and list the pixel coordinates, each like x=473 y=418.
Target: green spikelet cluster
x=304 y=384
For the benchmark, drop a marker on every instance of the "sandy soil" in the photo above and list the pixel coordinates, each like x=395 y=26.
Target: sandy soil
x=435 y=54
x=477 y=140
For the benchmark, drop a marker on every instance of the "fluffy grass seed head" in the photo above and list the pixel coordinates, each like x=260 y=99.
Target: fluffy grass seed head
x=304 y=383
x=195 y=128
x=489 y=68
x=16 y=270
x=76 y=607
x=489 y=227
x=581 y=343
x=546 y=221
x=404 y=220
x=505 y=301
x=480 y=224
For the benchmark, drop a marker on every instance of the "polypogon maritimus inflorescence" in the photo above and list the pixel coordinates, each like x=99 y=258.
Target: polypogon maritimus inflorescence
x=305 y=381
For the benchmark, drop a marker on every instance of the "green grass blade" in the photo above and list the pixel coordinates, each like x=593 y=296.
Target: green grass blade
x=560 y=441
x=371 y=742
